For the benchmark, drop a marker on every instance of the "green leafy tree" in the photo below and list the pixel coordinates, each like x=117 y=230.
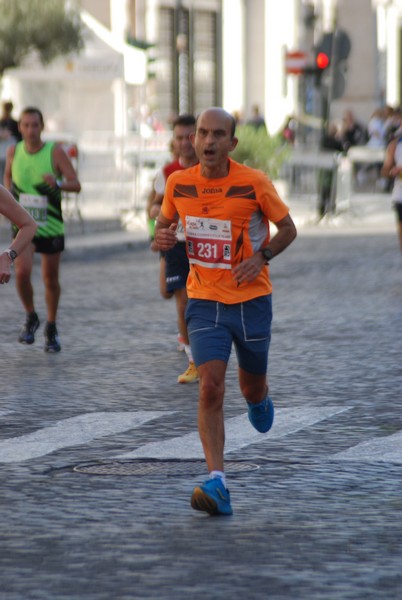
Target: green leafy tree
x=260 y=150
x=49 y=27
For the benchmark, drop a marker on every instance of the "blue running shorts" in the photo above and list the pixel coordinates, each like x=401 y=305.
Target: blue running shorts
x=177 y=267
x=214 y=326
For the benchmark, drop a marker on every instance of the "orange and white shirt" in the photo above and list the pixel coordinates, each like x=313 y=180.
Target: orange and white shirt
x=225 y=220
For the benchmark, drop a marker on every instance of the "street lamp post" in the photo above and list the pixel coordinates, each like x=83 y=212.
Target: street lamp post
x=182 y=58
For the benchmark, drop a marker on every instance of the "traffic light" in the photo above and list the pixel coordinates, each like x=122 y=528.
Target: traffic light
x=322 y=57
x=322 y=61
x=331 y=53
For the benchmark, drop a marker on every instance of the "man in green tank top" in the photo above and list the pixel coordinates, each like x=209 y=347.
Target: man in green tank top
x=36 y=173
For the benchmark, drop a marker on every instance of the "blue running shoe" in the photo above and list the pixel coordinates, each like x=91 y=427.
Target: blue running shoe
x=212 y=497
x=27 y=333
x=261 y=416
x=52 y=343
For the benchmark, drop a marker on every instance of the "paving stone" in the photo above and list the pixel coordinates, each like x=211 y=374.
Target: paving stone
x=306 y=524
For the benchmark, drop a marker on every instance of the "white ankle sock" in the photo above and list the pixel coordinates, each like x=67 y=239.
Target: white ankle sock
x=188 y=352
x=220 y=474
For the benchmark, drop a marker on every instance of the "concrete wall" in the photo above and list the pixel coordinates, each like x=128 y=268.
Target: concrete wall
x=254 y=55
x=357 y=18
x=100 y=9
x=256 y=46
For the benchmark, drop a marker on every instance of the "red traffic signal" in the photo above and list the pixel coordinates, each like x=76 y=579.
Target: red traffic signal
x=322 y=60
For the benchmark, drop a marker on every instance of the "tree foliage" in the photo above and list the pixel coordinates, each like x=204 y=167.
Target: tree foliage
x=259 y=150
x=48 y=27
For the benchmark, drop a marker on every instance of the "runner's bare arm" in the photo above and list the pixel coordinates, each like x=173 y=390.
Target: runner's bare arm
x=155 y=207
x=7 y=170
x=389 y=169
x=63 y=165
x=248 y=269
x=285 y=235
x=165 y=233
x=16 y=214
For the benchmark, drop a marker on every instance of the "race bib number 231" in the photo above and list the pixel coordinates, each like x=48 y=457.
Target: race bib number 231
x=209 y=242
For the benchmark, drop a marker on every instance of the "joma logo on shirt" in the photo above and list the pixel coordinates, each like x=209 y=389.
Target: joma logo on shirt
x=211 y=190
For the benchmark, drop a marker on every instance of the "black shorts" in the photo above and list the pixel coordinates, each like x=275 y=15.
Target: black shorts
x=46 y=245
x=177 y=267
x=52 y=245
x=398 y=209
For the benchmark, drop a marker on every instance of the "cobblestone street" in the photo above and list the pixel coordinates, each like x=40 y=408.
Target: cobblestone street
x=321 y=516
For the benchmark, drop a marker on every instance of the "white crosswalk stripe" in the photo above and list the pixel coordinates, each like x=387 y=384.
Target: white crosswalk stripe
x=239 y=433
x=85 y=428
x=73 y=432
x=383 y=449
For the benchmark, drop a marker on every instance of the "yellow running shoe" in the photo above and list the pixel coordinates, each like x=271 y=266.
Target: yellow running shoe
x=189 y=376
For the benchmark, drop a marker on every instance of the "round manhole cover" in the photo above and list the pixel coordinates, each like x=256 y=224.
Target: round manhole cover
x=160 y=467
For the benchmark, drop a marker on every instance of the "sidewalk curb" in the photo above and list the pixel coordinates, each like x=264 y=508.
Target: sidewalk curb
x=103 y=245
x=94 y=244
x=103 y=238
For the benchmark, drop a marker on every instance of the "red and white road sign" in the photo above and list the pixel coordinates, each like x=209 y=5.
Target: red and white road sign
x=295 y=62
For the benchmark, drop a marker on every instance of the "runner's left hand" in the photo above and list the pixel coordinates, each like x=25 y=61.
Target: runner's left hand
x=248 y=269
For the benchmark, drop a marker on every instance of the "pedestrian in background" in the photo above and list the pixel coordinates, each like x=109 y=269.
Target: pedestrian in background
x=392 y=167
x=330 y=142
x=288 y=131
x=256 y=120
x=9 y=133
x=352 y=132
x=392 y=122
x=8 y=125
x=37 y=172
x=225 y=208
x=10 y=209
x=376 y=129
x=152 y=199
x=174 y=264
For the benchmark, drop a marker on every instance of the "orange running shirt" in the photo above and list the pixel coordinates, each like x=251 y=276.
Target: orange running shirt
x=226 y=220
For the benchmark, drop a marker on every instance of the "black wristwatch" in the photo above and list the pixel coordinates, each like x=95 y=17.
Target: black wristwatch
x=267 y=254
x=12 y=255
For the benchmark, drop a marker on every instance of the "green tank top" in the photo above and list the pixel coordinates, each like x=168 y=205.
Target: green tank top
x=42 y=201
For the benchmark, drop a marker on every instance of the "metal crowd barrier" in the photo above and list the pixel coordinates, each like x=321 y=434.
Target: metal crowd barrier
x=352 y=174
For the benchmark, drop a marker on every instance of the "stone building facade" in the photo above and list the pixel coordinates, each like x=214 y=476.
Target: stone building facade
x=161 y=57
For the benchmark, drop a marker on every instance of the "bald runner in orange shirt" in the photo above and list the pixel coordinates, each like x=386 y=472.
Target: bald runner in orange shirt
x=225 y=209
x=225 y=222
